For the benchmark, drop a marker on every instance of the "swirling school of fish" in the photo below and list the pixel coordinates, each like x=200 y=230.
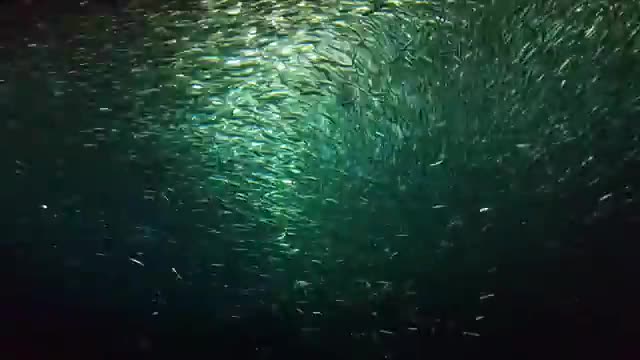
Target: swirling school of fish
x=341 y=127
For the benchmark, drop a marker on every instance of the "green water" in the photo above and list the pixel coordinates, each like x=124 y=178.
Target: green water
x=332 y=179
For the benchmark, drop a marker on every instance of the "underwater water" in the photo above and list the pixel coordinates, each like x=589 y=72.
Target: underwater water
x=320 y=179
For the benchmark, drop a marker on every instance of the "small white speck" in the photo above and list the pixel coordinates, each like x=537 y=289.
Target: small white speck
x=155 y=313
x=178 y=276
x=486 y=296
x=301 y=284
x=469 y=333
x=44 y=206
x=605 y=197
x=484 y=209
x=136 y=261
